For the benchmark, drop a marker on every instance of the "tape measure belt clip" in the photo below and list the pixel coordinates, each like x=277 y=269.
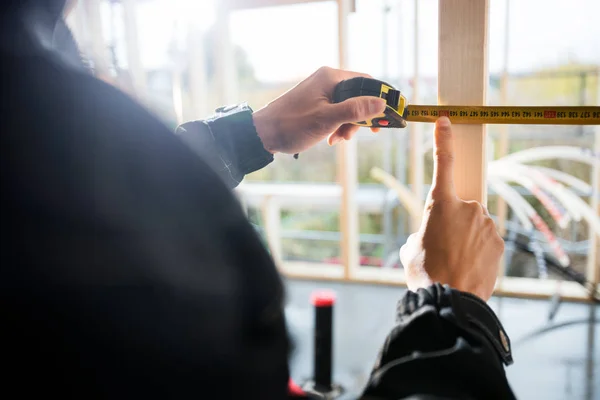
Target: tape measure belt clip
x=392 y=98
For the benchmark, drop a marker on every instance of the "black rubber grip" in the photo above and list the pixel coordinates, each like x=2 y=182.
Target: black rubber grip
x=357 y=87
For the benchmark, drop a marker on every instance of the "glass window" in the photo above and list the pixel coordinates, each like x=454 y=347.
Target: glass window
x=387 y=52
x=280 y=46
x=542 y=60
x=539 y=54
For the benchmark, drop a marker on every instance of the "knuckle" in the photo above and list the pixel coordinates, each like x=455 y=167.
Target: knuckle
x=354 y=112
x=324 y=70
x=438 y=193
x=501 y=245
x=489 y=224
x=496 y=242
x=445 y=131
x=444 y=155
x=500 y=242
x=474 y=207
x=405 y=249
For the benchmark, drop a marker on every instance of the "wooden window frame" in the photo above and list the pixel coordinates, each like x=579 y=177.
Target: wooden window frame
x=463 y=77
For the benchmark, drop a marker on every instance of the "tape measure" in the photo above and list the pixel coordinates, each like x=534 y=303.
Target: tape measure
x=398 y=111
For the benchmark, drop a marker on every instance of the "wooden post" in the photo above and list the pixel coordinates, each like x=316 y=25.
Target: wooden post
x=347 y=167
x=594 y=253
x=503 y=145
x=593 y=267
x=417 y=172
x=462 y=75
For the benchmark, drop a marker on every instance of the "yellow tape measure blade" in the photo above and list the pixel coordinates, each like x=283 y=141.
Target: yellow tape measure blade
x=506 y=115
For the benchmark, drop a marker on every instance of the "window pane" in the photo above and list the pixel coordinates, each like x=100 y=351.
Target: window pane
x=308 y=234
x=281 y=46
x=544 y=66
x=391 y=50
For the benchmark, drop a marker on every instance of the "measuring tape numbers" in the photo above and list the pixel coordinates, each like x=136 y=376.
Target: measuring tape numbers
x=505 y=115
x=398 y=111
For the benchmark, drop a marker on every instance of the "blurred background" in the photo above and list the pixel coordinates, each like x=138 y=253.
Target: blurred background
x=184 y=58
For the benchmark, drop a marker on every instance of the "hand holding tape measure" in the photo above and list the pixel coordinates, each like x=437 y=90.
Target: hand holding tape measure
x=398 y=111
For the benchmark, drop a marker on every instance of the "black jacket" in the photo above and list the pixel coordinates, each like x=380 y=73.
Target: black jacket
x=446 y=343
x=128 y=269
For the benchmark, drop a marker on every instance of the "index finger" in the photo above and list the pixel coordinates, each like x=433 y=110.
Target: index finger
x=443 y=160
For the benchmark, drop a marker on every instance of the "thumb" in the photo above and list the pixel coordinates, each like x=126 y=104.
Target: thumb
x=356 y=109
x=443 y=160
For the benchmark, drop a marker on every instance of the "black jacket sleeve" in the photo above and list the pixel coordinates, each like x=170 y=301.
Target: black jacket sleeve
x=228 y=142
x=446 y=345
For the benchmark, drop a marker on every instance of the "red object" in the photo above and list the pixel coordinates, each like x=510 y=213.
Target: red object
x=384 y=122
x=295 y=390
x=322 y=298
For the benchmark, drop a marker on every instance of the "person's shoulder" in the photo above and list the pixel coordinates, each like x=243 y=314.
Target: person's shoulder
x=64 y=114
x=76 y=93
x=44 y=97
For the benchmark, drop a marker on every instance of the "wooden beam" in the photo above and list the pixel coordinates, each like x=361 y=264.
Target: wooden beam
x=593 y=256
x=462 y=80
x=525 y=288
x=312 y=270
x=593 y=266
x=347 y=167
x=503 y=143
x=417 y=169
